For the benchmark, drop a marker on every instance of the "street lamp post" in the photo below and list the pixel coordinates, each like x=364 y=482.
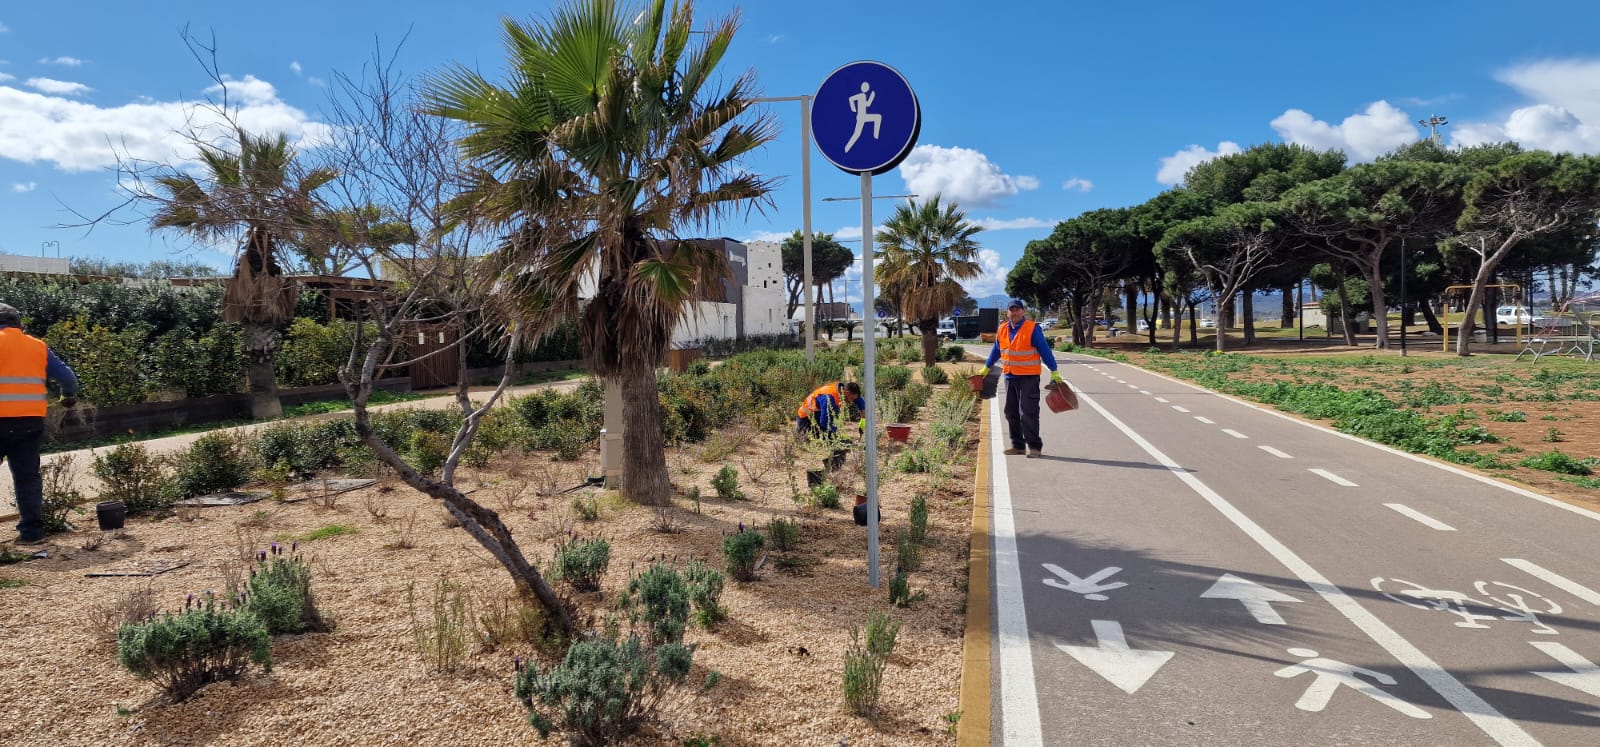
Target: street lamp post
x=1402 y=296
x=56 y=244
x=805 y=192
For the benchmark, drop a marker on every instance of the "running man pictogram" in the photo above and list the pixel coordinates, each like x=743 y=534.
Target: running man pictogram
x=859 y=104
x=1330 y=674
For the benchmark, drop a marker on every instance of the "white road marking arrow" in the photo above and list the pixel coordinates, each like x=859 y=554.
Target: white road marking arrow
x=1089 y=587
x=1111 y=658
x=1257 y=599
x=1585 y=676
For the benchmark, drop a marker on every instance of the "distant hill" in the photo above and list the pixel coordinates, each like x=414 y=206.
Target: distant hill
x=996 y=301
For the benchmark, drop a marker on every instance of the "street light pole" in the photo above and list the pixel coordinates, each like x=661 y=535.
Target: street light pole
x=805 y=196
x=1402 y=296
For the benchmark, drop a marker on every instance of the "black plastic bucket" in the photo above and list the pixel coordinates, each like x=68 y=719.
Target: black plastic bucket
x=110 y=514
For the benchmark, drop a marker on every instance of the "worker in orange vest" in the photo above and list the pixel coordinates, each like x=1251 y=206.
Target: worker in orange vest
x=25 y=363
x=1021 y=347
x=819 y=411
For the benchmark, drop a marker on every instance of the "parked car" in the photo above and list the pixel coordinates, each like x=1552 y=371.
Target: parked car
x=1208 y=323
x=947 y=329
x=1513 y=315
x=1049 y=323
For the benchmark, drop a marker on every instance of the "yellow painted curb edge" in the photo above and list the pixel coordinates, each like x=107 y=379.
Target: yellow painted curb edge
x=973 y=729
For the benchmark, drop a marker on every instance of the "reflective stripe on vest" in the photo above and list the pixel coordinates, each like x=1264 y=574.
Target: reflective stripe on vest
x=22 y=372
x=1017 y=355
x=808 y=406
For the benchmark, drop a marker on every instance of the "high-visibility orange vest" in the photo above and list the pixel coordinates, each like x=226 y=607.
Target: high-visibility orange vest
x=1018 y=356
x=22 y=364
x=809 y=406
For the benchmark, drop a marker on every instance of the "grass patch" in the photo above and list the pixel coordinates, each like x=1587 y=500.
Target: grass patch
x=12 y=583
x=380 y=397
x=331 y=530
x=1592 y=483
x=1560 y=462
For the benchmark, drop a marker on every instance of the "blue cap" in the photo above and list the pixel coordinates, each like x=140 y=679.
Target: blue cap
x=1016 y=304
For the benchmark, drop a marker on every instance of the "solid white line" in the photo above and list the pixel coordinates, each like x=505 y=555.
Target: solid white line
x=1019 y=703
x=1162 y=400
x=1421 y=518
x=1333 y=478
x=1275 y=452
x=1234 y=433
x=1555 y=579
x=1180 y=408
x=1486 y=480
x=1204 y=419
x=1144 y=391
x=1492 y=722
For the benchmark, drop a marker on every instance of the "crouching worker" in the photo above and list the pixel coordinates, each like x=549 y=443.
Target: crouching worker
x=820 y=411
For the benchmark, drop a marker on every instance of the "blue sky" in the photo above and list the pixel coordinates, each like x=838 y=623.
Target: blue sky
x=1033 y=112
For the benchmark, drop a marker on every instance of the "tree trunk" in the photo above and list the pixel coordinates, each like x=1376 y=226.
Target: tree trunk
x=1469 y=321
x=1344 y=308
x=1491 y=300
x=1249 y=313
x=644 y=448
x=1224 y=314
x=1222 y=329
x=261 y=348
x=930 y=341
x=1380 y=307
x=1433 y=321
x=1290 y=313
x=1131 y=293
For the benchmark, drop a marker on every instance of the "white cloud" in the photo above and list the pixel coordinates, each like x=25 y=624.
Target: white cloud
x=24 y=186
x=1425 y=102
x=4 y=29
x=57 y=87
x=961 y=175
x=78 y=136
x=993 y=279
x=64 y=61
x=775 y=38
x=4 y=77
x=1362 y=137
x=1564 y=117
x=294 y=67
x=1176 y=166
x=777 y=236
x=1012 y=224
x=318 y=82
x=1077 y=185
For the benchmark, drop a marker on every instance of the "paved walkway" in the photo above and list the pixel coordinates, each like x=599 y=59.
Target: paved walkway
x=83 y=459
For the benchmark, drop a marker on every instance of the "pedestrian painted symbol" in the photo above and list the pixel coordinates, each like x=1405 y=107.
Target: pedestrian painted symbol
x=1127 y=668
x=1328 y=675
x=1585 y=676
x=1089 y=587
x=1257 y=599
x=859 y=104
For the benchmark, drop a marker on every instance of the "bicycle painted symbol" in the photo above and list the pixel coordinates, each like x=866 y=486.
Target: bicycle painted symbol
x=1500 y=601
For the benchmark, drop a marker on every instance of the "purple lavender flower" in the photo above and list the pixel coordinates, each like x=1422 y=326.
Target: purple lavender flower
x=262 y=556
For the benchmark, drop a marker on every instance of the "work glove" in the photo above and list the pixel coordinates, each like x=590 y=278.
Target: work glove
x=1055 y=377
x=862 y=425
x=983 y=371
x=69 y=402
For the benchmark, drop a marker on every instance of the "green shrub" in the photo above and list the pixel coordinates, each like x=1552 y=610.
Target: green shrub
x=603 y=690
x=1560 y=462
x=215 y=462
x=953 y=354
x=313 y=353
x=186 y=651
x=305 y=448
x=426 y=451
x=741 y=552
x=949 y=436
x=825 y=496
x=705 y=593
x=1514 y=416
x=128 y=473
x=582 y=562
x=893 y=408
x=279 y=593
x=61 y=496
x=881 y=633
x=919 y=519
x=441 y=638
x=587 y=509
x=726 y=483
x=917 y=395
x=784 y=534
x=864 y=663
x=659 y=599
x=893 y=378
x=106 y=362
x=915 y=461
x=211 y=364
x=935 y=375
x=900 y=594
x=908 y=554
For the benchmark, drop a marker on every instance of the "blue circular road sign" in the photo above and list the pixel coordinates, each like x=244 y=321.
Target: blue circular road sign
x=865 y=118
x=956 y=311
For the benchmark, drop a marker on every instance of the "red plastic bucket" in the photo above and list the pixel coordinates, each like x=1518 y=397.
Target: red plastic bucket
x=1061 y=398
x=899 y=432
x=975 y=383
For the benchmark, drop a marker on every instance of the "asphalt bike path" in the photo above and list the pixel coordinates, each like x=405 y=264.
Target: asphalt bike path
x=1183 y=568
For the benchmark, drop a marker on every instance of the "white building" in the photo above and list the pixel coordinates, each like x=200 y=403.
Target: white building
x=750 y=302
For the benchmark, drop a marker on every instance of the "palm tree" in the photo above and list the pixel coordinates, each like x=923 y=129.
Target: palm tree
x=255 y=191
x=605 y=143
x=925 y=251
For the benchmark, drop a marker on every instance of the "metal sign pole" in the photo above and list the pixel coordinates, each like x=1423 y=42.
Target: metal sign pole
x=869 y=377
x=805 y=188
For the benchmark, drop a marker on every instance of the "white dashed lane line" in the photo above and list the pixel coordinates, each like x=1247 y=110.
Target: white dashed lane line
x=1274 y=452
x=1162 y=400
x=1333 y=478
x=1180 y=408
x=1204 y=419
x=1145 y=392
x=1234 y=433
x=1419 y=517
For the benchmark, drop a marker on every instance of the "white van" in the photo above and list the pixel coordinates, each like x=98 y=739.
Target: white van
x=1511 y=316
x=947 y=329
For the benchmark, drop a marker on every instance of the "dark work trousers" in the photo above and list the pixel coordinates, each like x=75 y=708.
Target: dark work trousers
x=20 y=439
x=1022 y=411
